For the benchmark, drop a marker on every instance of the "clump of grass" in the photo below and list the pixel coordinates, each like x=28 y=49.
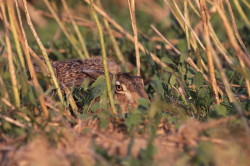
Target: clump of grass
x=195 y=74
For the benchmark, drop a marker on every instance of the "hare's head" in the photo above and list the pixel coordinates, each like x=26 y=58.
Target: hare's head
x=128 y=89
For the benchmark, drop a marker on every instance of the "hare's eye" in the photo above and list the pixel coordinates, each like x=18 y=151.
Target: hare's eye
x=118 y=88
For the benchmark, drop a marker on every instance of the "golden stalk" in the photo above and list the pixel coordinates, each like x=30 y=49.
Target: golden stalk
x=131 y=4
x=189 y=27
x=186 y=27
x=44 y=53
x=71 y=100
x=24 y=43
x=114 y=43
x=218 y=44
x=186 y=15
x=238 y=7
x=165 y=40
x=205 y=17
x=71 y=38
x=129 y=36
x=12 y=121
x=113 y=40
x=235 y=28
x=246 y=3
x=229 y=92
x=104 y=58
x=4 y=91
x=78 y=33
x=192 y=64
x=12 y=70
x=243 y=59
x=12 y=18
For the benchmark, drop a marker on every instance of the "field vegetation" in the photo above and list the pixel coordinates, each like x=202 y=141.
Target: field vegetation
x=192 y=54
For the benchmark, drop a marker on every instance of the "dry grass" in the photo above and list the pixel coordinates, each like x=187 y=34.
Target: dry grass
x=193 y=56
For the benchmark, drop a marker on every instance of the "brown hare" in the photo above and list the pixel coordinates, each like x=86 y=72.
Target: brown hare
x=128 y=88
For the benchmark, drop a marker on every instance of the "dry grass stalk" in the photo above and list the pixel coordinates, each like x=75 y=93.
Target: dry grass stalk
x=71 y=38
x=4 y=91
x=12 y=121
x=10 y=59
x=219 y=45
x=36 y=17
x=189 y=27
x=235 y=28
x=65 y=18
x=229 y=92
x=131 y=4
x=246 y=3
x=44 y=53
x=243 y=59
x=130 y=37
x=192 y=64
x=238 y=7
x=104 y=58
x=38 y=61
x=13 y=20
x=186 y=15
x=7 y=102
x=205 y=17
x=191 y=37
x=114 y=42
x=24 y=42
x=164 y=39
x=78 y=33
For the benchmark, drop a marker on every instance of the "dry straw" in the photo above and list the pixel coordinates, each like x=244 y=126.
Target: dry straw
x=131 y=4
x=78 y=33
x=24 y=43
x=44 y=53
x=243 y=59
x=12 y=69
x=126 y=34
x=205 y=21
x=104 y=57
x=13 y=24
x=113 y=40
x=71 y=38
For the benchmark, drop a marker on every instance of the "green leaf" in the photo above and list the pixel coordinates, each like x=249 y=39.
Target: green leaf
x=143 y=102
x=98 y=87
x=167 y=60
x=133 y=120
x=220 y=109
x=183 y=57
x=85 y=84
x=99 y=81
x=198 y=80
x=203 y=92
x=172 y=80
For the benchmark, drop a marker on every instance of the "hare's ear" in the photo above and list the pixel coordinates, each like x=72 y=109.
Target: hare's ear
x=139 y=80
x=94 y=74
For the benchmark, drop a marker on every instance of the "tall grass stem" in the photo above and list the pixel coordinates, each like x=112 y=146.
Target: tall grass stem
x=12 y=69
x=129 y=36
x=24 y=43
x=44 y=53
x=131 y=4
x=205 y=20
x=75 y=26
x=71 y=38
x=104 y=58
